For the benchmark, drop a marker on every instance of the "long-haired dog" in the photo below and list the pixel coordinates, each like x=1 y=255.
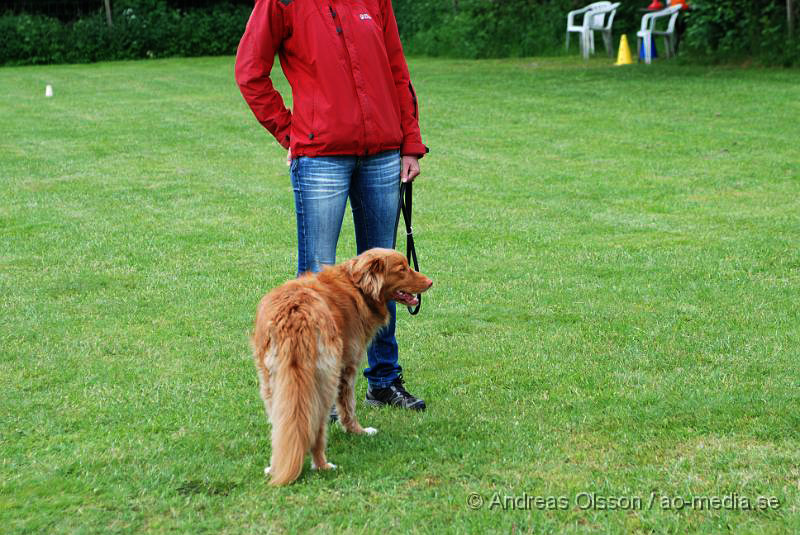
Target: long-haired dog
x=309 y=341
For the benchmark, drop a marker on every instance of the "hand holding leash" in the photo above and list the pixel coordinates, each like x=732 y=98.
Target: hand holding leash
x=409 y=168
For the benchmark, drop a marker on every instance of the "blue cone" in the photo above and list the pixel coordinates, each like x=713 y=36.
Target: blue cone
x=653 y=50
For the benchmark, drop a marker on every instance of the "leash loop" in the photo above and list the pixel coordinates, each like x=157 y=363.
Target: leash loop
x=411 y=252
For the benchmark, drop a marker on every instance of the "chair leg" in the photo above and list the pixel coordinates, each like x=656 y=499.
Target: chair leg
x=648 y=52
x=585 y=45
x=667 y=47
x=608 y=40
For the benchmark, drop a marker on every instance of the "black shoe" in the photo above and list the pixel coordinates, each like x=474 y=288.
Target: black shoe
x=395 y=395
x=334 y=417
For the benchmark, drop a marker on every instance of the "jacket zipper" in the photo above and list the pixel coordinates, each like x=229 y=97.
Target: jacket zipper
x=340 y=32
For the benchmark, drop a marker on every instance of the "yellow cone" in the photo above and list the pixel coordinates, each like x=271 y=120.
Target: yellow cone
x=624 y=54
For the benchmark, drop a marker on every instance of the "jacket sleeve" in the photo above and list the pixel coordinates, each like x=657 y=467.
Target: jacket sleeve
x=262 y=38
x=409 y=108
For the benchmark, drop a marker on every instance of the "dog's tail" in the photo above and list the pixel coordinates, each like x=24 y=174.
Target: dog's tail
x=294 y=403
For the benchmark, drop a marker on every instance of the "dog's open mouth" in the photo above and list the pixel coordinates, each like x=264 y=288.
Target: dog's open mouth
x=405 y=298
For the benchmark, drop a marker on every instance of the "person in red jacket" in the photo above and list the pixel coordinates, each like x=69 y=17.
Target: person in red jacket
x=352 y=132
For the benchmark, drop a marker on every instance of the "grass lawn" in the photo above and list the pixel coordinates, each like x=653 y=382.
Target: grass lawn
x=615 y=312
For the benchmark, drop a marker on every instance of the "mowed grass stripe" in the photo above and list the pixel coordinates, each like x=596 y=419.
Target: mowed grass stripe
x=615 y=308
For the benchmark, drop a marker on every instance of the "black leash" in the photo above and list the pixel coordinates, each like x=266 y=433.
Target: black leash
x=411 y=252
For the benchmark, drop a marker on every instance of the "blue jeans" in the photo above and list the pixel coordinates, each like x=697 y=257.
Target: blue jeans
x=321 y=187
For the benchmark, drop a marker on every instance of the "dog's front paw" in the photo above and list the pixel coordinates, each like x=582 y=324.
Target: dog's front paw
x=267 y=470
x=326 y=466
x=370 y=431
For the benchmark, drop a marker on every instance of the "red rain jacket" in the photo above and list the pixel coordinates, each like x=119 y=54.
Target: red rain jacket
x=351 y=90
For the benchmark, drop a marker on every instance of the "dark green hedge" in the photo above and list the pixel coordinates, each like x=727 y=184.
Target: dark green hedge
x=737 y=29
x=142 y=29
x=717 y=30
x=482 y=28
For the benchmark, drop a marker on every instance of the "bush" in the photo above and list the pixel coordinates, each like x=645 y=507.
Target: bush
x=142 y=29
x=733 y=29
x=721 y=29
x=716 y=30
x=30 y=39
x=494 y=28
x=482 y=28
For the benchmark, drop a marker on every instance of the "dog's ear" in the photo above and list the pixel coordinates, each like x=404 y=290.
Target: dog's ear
x=368 y=274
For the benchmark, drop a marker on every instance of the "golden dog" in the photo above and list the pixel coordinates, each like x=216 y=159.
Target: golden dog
x=309 y=341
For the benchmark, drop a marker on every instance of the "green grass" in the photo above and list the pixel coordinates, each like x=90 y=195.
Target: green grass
x=615 y=311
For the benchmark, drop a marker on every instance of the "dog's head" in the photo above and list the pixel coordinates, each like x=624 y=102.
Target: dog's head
x=384 y=275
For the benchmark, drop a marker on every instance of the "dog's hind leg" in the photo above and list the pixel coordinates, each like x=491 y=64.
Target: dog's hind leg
x=346 y=403
x=318 y=461
x=327 y=382
x=265 y=390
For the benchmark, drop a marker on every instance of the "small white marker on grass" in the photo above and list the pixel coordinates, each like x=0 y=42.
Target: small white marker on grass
x=48 y=91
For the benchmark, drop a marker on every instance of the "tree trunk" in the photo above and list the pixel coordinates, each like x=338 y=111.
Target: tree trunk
x=108 y=11
x=790 y=17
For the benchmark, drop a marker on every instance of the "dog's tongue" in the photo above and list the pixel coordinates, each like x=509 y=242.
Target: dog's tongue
x=406 y=298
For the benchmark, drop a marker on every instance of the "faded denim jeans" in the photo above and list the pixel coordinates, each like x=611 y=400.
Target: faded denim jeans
x=322 y=186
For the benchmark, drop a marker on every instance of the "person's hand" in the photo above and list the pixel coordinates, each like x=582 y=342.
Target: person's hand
x=409 y=168
x=289 y=157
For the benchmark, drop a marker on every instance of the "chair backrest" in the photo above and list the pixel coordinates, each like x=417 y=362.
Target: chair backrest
x=598 y=20
x=593 y=20
x=613 y=12
x=586 y=11
x=649 y=19
x=673 y=18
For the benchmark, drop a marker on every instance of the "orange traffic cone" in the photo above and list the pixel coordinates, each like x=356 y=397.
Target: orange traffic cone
x=624 y=54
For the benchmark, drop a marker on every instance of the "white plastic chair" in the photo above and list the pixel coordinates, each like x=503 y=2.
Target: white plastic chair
x=648 y=30
x=584 y=28
x=604 y=27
